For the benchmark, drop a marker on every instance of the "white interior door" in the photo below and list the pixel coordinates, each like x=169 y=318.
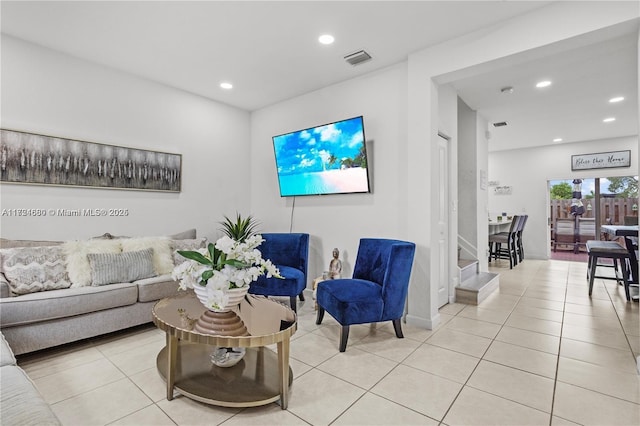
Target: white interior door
x=443 y=221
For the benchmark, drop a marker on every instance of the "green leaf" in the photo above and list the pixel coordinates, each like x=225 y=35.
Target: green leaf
x=194 y=255
x=240 y=229
x=206 y=275
x=236 y=263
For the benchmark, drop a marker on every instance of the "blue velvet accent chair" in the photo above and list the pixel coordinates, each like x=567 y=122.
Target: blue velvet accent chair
x=290 y=253
x=377 y=291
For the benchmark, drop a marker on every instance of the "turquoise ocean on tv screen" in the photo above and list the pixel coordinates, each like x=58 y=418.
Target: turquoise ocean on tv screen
x=305 y=183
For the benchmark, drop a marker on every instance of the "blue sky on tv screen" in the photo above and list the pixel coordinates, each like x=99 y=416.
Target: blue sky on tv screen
x=319 y=148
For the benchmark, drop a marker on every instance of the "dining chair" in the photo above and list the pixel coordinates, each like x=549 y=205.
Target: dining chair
x=519 y=242
x=503 y=244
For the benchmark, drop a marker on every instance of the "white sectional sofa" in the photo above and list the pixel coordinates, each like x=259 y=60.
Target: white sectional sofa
x=51 y=306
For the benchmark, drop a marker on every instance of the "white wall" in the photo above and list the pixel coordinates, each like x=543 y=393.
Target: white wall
x=528 y=170
x=50 y=93
x=472 y=162
x=467 y=174
x=482 y=165
x=338 y=220
x=448 y=124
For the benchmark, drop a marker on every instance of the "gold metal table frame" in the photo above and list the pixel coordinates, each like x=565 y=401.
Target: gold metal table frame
x=260 y=378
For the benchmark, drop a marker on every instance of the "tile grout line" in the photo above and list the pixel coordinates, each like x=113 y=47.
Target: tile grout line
x=626 y=336
x=465 y=384
x=555 y=378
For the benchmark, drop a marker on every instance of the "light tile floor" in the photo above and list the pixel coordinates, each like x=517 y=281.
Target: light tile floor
x=538 y=351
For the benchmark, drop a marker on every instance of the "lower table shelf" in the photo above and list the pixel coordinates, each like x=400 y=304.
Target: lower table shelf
x=252 y=382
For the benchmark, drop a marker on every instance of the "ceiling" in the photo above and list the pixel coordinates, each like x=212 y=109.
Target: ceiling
x=269 y=51
x=573 y=107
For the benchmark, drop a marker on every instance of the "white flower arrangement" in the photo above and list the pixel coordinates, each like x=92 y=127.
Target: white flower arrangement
x=222 y=266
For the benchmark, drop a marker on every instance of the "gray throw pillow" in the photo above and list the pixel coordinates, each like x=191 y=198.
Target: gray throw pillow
x=33 y=269
x=189 y=234
x=111 y=268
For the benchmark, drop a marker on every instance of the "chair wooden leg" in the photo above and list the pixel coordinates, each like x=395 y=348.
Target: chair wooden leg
x=625 y=278
x=319 y=315
x=301 y=296
x=294 y=303
x=344 y=336
x=592 y=272
x=397 y=326
x=510 y=253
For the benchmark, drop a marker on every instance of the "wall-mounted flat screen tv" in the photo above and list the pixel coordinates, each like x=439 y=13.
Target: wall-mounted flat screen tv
x=326 y=159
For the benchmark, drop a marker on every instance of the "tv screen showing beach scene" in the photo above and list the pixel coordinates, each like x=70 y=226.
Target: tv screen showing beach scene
x=327 y=159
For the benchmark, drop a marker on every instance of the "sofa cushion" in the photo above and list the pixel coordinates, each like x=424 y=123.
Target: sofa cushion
x=359 y=304
x=37 y=307
x=6 y=243
x=108 y=236
x=162 y=258
x=190 y=244
x=33 y=269
x=78 y=265
x=156 y=288
x=189 y=234
x=111 y=268
x=21 y=402
x=292 y=283
x=6 y=354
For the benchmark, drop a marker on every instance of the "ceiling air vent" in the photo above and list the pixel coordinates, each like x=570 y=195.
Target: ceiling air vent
x=357 y=58
x=500 y=124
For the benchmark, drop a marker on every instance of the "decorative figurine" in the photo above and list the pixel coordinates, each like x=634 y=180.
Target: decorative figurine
x=335 y=266
x=335 y=271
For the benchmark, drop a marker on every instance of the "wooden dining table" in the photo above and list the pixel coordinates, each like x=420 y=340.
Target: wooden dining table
x=630 y=235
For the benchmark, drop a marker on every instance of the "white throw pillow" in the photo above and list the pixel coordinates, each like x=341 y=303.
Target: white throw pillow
x=78 y=265
x=162 y=254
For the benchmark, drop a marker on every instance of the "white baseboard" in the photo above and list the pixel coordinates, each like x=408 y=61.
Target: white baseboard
x=429 y=324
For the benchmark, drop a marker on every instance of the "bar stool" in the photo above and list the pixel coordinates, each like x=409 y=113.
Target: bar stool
x=607 y=250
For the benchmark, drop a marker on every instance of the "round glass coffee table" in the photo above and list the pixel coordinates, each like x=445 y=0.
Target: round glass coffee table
x=261 y=377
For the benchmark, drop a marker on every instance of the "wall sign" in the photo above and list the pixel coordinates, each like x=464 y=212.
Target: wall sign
x=601 y=160
x=503 y=190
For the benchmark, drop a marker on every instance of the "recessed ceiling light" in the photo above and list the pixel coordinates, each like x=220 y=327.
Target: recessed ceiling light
x=326 y=39
x=557 y=140
x=616 y=99
x=226 y=85
x=544 y=83
x=609 y=119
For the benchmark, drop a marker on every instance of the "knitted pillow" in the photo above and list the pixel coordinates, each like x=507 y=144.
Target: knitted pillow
x=162 y=258
x=33 y=269
x=78 y=265
x=125 y=267
x=193 y=245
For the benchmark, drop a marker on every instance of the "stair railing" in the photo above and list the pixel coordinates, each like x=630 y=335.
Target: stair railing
x=467 y=248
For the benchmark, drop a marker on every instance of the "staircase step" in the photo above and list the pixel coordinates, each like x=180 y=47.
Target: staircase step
x=475 y=289
x=468 y=269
